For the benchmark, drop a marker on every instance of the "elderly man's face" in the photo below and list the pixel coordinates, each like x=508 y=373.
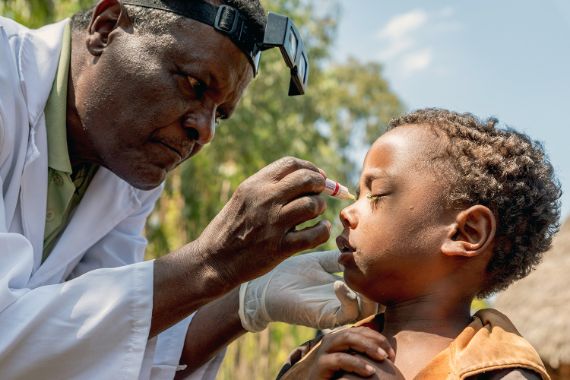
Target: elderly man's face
x=149 y=102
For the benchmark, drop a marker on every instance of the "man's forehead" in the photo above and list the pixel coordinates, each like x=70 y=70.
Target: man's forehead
x=198 y=47
x=251 y=33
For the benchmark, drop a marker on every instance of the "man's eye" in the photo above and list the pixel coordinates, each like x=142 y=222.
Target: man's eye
x=197 y=86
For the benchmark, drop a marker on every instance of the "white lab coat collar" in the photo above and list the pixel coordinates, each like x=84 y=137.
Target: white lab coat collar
x=34 y=52
x=108 y=200
x=36 y=65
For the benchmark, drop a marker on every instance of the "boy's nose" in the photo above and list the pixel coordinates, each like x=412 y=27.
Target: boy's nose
x=348 y=217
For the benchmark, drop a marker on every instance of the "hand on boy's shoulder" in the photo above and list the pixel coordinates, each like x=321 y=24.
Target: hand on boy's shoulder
x=384 y=370
x=356 y=350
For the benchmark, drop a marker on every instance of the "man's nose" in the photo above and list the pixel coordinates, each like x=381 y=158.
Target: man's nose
x=348 y=217
x=201 y=125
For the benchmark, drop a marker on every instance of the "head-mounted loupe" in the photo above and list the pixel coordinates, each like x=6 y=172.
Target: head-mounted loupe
x=279 y=32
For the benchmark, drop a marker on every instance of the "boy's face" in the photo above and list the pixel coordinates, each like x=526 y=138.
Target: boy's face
x=393 y=233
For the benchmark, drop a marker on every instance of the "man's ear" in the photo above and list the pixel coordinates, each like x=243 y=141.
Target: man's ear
x=107 y=16
x=472 y=233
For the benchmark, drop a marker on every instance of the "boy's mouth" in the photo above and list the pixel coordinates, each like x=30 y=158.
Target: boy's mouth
x=344 y=246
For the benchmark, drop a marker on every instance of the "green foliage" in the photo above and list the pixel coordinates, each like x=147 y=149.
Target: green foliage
x=35 y=13
x=260 y=356
x=347 y=106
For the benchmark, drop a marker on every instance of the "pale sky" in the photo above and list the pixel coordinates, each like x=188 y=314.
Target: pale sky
x=504 y=58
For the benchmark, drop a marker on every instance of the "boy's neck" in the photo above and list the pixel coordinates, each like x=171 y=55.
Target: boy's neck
x=421 y=328
x=434 y=313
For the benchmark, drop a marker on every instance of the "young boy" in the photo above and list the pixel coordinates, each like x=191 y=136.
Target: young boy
x=449 y=208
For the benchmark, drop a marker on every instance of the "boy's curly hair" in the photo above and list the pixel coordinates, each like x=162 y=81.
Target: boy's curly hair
x=507 y=172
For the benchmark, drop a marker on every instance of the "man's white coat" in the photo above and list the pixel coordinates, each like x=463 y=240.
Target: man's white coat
x=84 y=313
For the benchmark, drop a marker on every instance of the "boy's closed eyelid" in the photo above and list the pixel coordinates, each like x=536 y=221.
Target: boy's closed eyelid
x=374 y=199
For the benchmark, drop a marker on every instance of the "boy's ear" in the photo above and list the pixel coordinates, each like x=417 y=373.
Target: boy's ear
x=107 y=16
x=472 y=233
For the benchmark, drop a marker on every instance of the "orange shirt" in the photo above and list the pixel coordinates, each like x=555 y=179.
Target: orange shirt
x=489 y=343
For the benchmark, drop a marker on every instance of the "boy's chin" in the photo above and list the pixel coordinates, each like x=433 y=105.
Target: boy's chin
x=363 y=286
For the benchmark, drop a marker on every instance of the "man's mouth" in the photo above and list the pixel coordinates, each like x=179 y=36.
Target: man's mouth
x=182 y=152
x=170 y=147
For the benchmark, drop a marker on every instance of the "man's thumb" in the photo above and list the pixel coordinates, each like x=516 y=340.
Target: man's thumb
x=349 y=310
x=367 y=307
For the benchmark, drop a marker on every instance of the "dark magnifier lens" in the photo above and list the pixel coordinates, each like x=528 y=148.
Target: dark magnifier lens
x=292 y=45
x=256 y=61
x=303 y=69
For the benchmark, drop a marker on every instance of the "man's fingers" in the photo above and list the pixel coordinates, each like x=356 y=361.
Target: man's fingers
x=310 y=237
x=380 y=340
x=367 y=307
x=301 y=210
x=359 y=339
x=340 y=361
x=282 y=167
x=348 y=310
x=298 y=183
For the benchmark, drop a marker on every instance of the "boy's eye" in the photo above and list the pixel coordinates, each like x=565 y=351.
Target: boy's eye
x=374 y=198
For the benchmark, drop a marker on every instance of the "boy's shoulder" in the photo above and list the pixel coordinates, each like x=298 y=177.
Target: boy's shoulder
x=489 y=346
x=490 y=343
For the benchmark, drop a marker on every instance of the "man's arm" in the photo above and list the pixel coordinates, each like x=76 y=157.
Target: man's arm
x=213 y=327
x=254 y=232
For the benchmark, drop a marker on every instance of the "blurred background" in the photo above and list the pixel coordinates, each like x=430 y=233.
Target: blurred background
x=370 y=61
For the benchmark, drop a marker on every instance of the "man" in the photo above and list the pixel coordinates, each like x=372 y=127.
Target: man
x=93 y=114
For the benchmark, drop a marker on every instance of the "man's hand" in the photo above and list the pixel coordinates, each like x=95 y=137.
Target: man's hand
x=255 y=230
x=302 y=290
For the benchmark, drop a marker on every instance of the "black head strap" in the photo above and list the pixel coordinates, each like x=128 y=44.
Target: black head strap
x=223 y=18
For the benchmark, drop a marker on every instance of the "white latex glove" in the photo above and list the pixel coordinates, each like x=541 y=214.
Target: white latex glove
x=302 y=290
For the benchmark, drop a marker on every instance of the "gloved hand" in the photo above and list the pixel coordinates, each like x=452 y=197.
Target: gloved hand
x=302 y=290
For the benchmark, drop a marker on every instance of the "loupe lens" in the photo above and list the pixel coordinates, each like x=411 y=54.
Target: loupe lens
x=292 y=48
x=303 y=69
